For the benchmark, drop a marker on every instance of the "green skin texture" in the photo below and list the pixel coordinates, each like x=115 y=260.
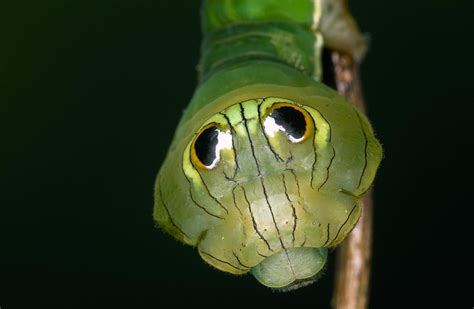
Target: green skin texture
x=270 y=206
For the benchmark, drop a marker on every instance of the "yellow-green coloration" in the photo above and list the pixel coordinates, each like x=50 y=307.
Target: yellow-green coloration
x=270 y=203
x=268 y=194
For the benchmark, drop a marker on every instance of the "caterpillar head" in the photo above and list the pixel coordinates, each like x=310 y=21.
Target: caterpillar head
x=265 y=185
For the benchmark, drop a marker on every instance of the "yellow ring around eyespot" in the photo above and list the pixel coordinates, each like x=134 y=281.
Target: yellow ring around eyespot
x=307 y=118
x=194 y=158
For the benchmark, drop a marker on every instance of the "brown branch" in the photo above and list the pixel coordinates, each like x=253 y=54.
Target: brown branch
x=351 y=289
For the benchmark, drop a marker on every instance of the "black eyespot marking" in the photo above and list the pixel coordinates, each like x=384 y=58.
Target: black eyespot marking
x=205 y=146
x=291 y=119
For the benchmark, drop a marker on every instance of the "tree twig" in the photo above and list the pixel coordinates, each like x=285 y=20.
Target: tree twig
x=351 y=289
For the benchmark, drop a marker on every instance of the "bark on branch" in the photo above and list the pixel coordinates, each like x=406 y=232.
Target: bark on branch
x=351 y=289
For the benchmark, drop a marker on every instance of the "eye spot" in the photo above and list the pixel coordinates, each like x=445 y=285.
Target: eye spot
x=205 y=146
x=205 y=151
x=291 y=120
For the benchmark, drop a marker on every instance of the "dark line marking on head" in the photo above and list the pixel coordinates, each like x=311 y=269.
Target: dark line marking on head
x=227 y=177
x=223 y=261
x=277 y=156
x=333 y=155
x=365 y=149
x=201 y=237
x=313 y=167
x=343 y=224
x=202 y=207
x=301 y=200
x=327 y=235
x=234 y=134
x=253 y=220
x=207 y=188
x=262 y=255
x=212 y=196
x=295 y=217
x=235 y=202
x=304 y=241
x=328 y=167
x=249 y=138
x=168 y=213
x=271 y=212
x=296 y=181
x=194 y=201
x=239 y=261
x=290 y=158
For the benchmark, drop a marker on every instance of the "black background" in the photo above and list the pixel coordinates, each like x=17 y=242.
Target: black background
x=90 y=95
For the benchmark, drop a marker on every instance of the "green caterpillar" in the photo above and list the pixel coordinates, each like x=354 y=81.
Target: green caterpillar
x=268 y=165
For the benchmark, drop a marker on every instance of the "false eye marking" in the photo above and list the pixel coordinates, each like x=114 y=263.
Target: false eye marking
x=285 y=123
x=207 y=146
x=210 y=151
x=192 y=163
x=300 y=123
x=288 y=118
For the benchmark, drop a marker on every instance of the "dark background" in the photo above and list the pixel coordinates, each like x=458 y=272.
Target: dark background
x=90 y=95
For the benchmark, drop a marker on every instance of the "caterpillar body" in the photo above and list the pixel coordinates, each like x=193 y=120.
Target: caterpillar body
x=268 y=164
